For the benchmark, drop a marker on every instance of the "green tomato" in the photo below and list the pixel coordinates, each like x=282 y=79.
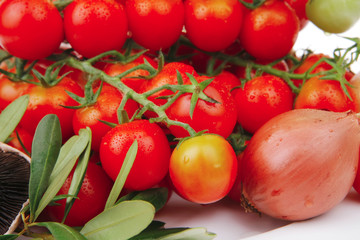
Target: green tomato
x=333 y=16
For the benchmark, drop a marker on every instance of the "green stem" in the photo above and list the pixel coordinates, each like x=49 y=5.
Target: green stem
x=139 y=98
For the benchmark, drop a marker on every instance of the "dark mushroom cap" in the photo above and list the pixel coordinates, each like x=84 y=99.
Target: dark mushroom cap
x=14 y=183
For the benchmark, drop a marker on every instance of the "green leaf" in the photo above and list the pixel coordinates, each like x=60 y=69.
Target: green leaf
x=122 y=221
x=66 y=160
x=9 y=237
x=61 y=231
x=175 y=234
x=124 y=172
x=11 y=116
x=156 y=196
x=79 y=173
x=45 y=149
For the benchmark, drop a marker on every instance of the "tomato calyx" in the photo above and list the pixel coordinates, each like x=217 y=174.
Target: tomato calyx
x=253 y=4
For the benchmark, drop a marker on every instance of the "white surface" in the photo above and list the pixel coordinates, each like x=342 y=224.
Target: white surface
x=318 y=41
x=229 y=221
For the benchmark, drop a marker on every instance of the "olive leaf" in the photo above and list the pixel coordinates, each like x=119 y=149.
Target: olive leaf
x=156 y=196
x=45 y=149
x=120 y=222
x=124 y=172
x=9 y=237
x=61 y=231
x=175 y=234
x=68 y=155
x=79 y=173
x=11 y=116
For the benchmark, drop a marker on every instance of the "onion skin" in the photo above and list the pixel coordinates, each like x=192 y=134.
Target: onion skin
x=302 y=163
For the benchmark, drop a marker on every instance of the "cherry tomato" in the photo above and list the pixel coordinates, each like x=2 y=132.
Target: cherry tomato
x=155 y=24
x=133 y=79
x=10 y=90
x=168 y=75
x=93 y=27
x=203 y=168
x=261 y=99
x=219 y=117
x=270 y=31
x=326 y=94
x=213 y=25
x=30 y=29
x=152 y=160
x=333 y=16
x=91 y=200
x=300 y=9
x=20 y=138
x=105 y=109
x=51 y=100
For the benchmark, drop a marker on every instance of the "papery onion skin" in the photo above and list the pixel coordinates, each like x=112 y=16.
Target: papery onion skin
x=301 y=163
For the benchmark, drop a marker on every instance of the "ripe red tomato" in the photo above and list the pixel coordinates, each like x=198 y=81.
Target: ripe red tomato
x=152 y=160
x=133 y=79
x=213 y=25
x=25 y=139
x=51 y=100
x=326 y=94
x=93 y=27
x=30 y=29
x=203 y=168
x=91 y=200
x=104 y=109
x=168 y=75
x=218 y=118
x=261 y=99
x=270 y=31
x=155 y=24
x=10 y=90
x=300 y=9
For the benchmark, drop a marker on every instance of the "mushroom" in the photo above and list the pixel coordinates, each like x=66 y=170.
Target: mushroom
x=14 y=183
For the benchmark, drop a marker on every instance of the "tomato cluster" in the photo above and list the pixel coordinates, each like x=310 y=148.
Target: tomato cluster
x=224 y=70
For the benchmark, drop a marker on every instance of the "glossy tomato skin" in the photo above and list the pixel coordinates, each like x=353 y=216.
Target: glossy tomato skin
x=261 y=99
x=10 y=90
x=317 y=93
x=152 y=159
x=155 y=24
x=93 y=27
x=270 y=31
x=218 y=118
x=300 y=9
x=21 y=138
x=91 y=200
x=203 y=168
x=168 y=75
x=51 y=100
x=133 y=79
x=213 y=25
x=30 y=29
x=104 y=109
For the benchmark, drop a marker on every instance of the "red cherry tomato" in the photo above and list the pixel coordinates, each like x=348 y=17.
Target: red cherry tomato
x=10 y=90
x=300 y=9
x=20 y=138
x=155 y=24
x=218 y=118
x=91 y=200
x=213 y=25
x=270 y=31
x=30 y=29
x=93 y=27
x=203 y=168
x=261 y=99
x=105 y=109
x=152 y=159
x=326 y=94
x=51 y=100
